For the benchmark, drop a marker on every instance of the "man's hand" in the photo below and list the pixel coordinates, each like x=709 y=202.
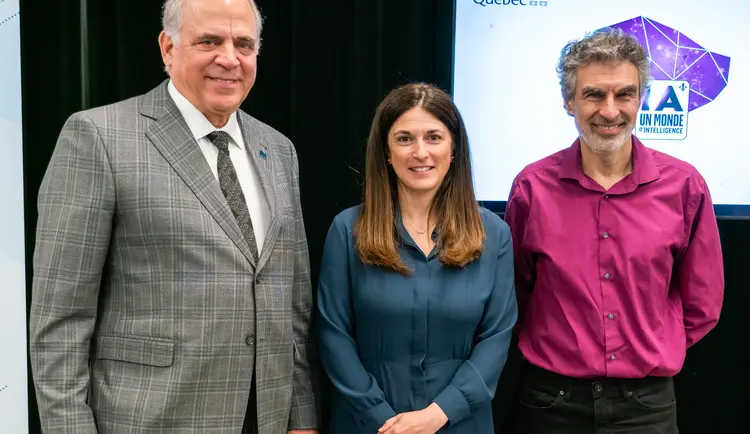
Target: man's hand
x=427 y=421
x=302 y=431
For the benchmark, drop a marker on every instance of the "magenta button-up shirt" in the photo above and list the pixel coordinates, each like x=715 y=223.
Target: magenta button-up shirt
x=614 y=283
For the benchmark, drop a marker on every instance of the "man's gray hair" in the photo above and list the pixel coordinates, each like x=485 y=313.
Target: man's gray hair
x=603 y=46
x=171 y=19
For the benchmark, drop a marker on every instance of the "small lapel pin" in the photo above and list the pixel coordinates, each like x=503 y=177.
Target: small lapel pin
x=262 y=154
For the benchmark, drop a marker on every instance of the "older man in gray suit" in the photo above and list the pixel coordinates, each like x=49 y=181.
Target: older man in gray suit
x=171 y=285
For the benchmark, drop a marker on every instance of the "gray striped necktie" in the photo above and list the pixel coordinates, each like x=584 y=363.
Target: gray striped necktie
x=230 y=186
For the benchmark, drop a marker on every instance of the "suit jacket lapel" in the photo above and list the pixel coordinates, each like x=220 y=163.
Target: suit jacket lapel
x=172 y=137
x=263 y=165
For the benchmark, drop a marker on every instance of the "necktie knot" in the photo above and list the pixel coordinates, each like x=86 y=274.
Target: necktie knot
x=220 y=139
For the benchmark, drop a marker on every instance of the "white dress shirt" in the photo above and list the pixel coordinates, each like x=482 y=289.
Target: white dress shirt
x=251 y=188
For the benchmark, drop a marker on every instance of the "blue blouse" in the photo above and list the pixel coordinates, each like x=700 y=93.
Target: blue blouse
x=392 y=344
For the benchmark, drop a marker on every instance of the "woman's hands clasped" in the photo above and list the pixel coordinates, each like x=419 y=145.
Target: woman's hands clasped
x=427 y=421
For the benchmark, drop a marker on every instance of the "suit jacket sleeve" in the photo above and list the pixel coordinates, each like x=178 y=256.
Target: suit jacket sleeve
x=304 y=410
x=76 y=203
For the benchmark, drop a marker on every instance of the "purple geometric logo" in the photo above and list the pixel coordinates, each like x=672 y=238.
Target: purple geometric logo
x=674 y=56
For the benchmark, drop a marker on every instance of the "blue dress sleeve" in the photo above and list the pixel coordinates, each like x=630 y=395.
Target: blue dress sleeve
x=474 y=383
x=338 y=343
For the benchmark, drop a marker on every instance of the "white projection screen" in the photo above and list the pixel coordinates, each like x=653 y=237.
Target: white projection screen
x=505 y=83
x=13 y=347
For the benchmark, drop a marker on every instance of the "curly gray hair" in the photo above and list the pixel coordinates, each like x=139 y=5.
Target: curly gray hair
x=603 y=46
x=171 y=20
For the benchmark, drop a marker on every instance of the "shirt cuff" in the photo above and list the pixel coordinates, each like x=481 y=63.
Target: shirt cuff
x=372 y=419
x=454 y=404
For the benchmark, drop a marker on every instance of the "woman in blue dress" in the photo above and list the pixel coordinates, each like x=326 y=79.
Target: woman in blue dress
x=416 y=294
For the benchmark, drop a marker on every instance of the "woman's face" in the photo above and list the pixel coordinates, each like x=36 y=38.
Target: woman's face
x=420 y=151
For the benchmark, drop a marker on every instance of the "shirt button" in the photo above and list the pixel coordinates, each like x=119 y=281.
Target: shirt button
x=250 y=340
x=611 y=356
x=607 y=275
x=605 y=235
x=606 y=196
x=611 y=316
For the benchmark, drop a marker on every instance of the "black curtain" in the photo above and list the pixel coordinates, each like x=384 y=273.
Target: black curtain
x=323 y=68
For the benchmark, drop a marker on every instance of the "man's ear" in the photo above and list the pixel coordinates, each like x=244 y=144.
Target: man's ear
x=166 y=46
x=569 y=107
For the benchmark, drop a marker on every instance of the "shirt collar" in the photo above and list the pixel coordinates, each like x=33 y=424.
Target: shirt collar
x=644 y=166
x=197 y=122
x=404 y=234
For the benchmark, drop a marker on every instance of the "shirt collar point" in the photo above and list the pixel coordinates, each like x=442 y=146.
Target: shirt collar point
x=197 y=123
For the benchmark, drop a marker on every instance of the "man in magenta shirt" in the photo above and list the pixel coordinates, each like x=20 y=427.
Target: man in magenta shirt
x=618 y=261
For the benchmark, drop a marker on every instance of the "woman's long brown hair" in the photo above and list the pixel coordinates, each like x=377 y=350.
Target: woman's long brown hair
x=459 y=226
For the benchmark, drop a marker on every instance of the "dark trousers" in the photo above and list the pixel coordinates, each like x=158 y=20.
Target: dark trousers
x=251 y=415
x=549 y=403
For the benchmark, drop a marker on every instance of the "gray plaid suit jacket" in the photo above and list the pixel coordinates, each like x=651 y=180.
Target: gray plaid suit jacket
x=148 y=315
